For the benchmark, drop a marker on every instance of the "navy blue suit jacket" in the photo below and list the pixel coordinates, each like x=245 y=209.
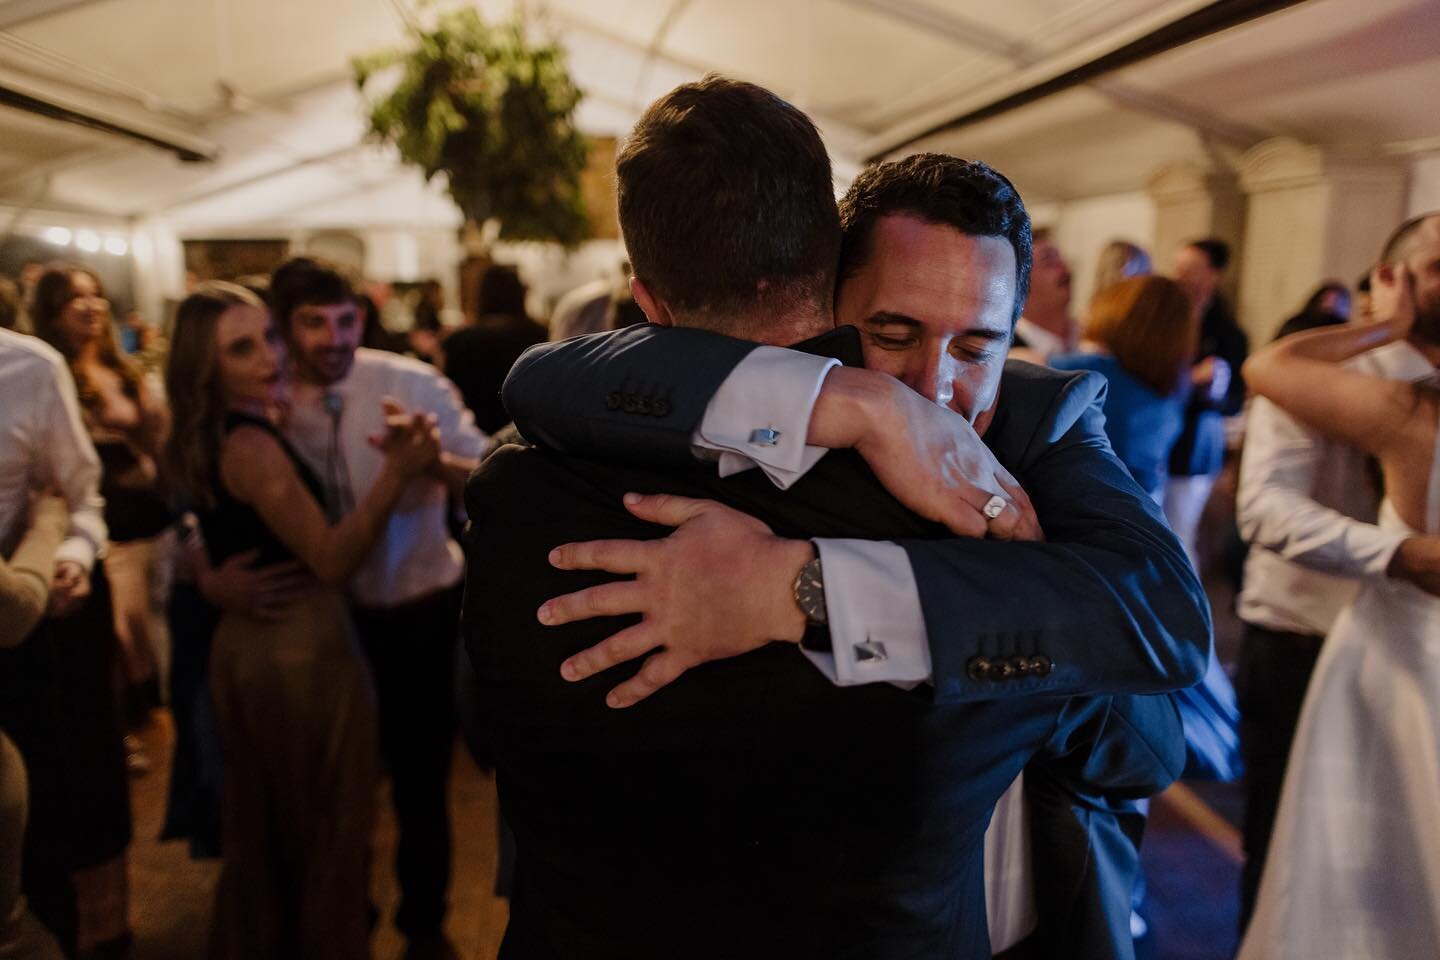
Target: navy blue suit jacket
x=1110 y=599
x=752 y=808
x=639 y=395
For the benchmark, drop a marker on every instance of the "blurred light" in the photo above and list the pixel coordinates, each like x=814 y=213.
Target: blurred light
x=57 y=235
x=407 y=257
x=88 y=240
x=116 y=245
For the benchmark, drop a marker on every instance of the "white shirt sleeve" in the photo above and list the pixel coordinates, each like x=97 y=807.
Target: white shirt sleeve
x=69 y=464
x=760 y=416
x=1275 y=509
x=877 y=629
x=459 y=436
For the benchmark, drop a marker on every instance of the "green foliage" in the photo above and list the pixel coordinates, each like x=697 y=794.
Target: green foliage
x=493 y=112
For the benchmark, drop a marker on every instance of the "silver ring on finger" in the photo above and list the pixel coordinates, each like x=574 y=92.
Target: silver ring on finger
x=993 y=507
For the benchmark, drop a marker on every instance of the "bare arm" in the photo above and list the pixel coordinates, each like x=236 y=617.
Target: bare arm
x=257 y=470
x=154 y=420
x=1369 y=413
x=25 y=579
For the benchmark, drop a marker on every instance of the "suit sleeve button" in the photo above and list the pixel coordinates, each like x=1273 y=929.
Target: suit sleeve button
x=1021 y=665
x=1003 y=670
x=1041 y=666
x=660 y=408
x=979 y=668
x=613 y=400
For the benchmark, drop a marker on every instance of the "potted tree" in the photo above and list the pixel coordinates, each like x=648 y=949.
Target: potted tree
x=494 y=112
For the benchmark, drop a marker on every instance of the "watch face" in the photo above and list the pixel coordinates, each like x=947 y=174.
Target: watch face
x=810 y=592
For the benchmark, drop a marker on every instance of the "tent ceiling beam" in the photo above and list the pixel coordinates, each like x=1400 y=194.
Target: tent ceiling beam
x=1173 y=25
x=978 y=36
x=42 y=100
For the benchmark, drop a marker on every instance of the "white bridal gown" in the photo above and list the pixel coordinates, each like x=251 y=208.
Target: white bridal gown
x=1353 y=871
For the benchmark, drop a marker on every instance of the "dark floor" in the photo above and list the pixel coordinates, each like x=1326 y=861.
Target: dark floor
x=1192 y=889
x=171 y=894
x=1191 y=870
x=1191 y=854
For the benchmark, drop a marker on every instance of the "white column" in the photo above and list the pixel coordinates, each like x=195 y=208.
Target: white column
x=1313 y=216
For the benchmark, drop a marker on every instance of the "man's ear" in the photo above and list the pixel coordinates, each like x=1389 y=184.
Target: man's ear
x=655 y=311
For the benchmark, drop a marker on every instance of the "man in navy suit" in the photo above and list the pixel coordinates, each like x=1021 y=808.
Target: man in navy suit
x=755 y=806
x=1116 y=596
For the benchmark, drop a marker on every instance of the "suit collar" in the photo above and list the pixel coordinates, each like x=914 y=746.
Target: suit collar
x=842 y=343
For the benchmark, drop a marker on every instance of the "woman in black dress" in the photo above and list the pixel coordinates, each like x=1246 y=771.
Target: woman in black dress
x=292 y=697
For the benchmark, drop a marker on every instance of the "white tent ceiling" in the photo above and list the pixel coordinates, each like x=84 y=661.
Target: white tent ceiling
x=265 y=85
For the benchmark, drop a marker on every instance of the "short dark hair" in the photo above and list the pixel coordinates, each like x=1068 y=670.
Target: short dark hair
x=943 y=190
x=308 y=281
x=1395 y=246
x=1217 y=251
x=727 y=201
x=501 y=291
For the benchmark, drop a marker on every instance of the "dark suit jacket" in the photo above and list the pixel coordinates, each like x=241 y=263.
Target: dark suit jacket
x=752 y=809
x=477 y=358
x=1200 y=448
x=1110 y=600
x=1049 y=431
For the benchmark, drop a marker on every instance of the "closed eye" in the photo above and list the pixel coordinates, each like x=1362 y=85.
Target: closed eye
x=886 y=341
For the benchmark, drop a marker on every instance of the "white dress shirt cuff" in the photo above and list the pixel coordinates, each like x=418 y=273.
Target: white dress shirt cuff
x=1375 y=547
x=79 y=550
x=760 y=416
x=877 y=630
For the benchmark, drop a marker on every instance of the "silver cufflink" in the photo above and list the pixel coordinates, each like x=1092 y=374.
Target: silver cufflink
x=765 y=437
x=871 y=651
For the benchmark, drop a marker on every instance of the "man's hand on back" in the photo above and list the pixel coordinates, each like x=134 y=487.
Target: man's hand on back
x=929 y=457
x=719 y=586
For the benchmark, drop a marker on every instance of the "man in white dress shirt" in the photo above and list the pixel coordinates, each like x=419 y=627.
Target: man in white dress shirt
x=44 y=445
x=1307 y=506
x=405 y=597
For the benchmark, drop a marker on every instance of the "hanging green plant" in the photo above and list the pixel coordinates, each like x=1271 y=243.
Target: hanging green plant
x=494 y=113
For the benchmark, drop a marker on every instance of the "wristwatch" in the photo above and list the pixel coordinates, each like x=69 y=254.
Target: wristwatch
x=810 y=598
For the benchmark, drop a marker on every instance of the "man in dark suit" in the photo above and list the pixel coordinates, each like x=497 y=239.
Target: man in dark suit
x=756 y=809
x=477 y=356
x=1110 y=597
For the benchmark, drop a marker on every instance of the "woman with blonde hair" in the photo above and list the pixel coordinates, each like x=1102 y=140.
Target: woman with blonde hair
x=1141 y=334
x=1120 y=260
x=292 y=694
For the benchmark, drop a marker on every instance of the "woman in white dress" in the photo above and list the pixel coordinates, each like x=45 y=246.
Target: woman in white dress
x=1354 y=864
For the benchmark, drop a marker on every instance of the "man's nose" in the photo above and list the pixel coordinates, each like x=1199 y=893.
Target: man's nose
x=931 y=376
